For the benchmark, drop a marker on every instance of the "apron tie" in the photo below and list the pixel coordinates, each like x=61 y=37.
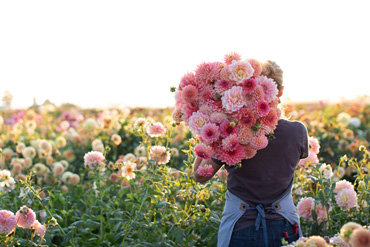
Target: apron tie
x=261 y=218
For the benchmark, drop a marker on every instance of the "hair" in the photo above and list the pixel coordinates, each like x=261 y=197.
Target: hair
x=273 y=71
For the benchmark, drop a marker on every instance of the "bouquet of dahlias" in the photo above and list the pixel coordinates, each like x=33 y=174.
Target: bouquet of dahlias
x=230 y=106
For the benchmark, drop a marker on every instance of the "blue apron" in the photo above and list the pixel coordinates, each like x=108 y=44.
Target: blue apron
x=235 y=208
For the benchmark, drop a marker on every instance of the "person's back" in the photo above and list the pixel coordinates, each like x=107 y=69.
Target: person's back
x=269 y=174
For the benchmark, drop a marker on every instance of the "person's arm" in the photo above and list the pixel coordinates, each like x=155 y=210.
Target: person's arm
x=201 y=162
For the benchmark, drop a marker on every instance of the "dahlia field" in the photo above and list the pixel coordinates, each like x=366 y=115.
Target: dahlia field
x=123 y=177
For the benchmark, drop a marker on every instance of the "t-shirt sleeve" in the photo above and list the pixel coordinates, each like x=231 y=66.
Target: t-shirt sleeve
x=218 y=162
x=304 y=142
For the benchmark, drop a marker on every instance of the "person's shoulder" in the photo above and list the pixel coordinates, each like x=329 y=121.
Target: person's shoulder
x=292 y=124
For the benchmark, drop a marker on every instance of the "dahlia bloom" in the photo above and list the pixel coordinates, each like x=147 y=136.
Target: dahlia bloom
x=230 y=143
x=206 y=109
x=8 y=181
x=116 y=139
x=140 y=123
x=269 y=87
x=239 y=71
x=257 y=66
x=93 y=159
x=203 y=151
x=156 y=130
x=25 y=217
x=249 y=152
x=197 y=121
x=90 y=125
x=205 y=171
x=222 y=86
x=127 y=170
x=342 y=184
x=305 y=207
x=29 y=152
x=261 y=107
x=259 y=142
x=206 y=73
x=210 y=133
x=346 y=198
x=233 y=99
x=360 y=238
x=326 y=170
x=189 y=94
x=321 y=213
x=218 y=117
x=315 y=241
x=249 y=85
x=232 y=56
x=187 y=79
x=177 y=115
x=314 y=145
x=160 y=154
x=338 y=241
x=245 y=135
x=226 y=129
x=39 y=228
x=347 y=230
x=8 y=223
x=232 y=157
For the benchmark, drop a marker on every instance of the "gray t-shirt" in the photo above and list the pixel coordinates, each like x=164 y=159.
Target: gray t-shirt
x=268 y=176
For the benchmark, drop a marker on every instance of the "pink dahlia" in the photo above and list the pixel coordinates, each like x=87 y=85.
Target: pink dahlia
x=189 y=93
x=187 y=79
x=311 y=159
x=177 y=115
x=269 y=87
x=178 y=98
x=263 y=130
x=230 y=143
x=305 y=207
x=360 y=238
x=233 y=99
x=257 y=66
x=222 y=86
x=187 y=112
x=210 y=133
x=93 y=159
x=232 y=157
x=218 y=117
x=227 y=129
x=39 y=228
x=205 y=171
x=239 y=71
x=245 y=135
x=271 y=120
x=8 y=223
x=206 y=73
x=156 y=130
x=160 y=155
x=25 y=217
x=225 y=75
x=197 y=121
x=232 y=56
x=249 y=85
x=203 y=151
x=342 y=184
x=206 y=94
x=259 y=142
x=315 y=241
x=321 y=213
x=140 y=123
x=249 y=152
x=246 y=117
x=314 y=145
x=206 y=109
x=259 y=93
x=261 y=107
x=346 y=198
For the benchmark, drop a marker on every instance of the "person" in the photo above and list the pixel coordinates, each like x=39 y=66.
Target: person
x=259 y=209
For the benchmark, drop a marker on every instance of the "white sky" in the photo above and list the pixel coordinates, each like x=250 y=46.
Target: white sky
x=103 y=53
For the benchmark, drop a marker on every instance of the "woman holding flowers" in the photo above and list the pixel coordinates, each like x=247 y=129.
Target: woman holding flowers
x=240 y=126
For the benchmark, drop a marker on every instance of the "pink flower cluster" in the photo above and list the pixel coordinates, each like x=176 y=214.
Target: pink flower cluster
x=307 y=205
x=346 y=196
x=205 y=171
x=24 y=218
x=230 y=106
x=313 y=150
